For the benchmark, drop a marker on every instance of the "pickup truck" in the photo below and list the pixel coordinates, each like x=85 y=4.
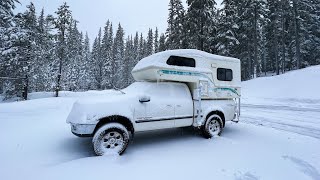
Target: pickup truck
x=143 y=106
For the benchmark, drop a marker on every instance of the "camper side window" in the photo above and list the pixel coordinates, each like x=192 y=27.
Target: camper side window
x=181 y=61
x=224 y=74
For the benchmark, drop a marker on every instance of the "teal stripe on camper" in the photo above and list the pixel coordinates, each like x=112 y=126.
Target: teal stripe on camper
x=184 y=73
x=227 y=89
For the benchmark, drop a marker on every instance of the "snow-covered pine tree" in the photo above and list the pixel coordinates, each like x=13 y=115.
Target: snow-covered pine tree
x=175 y=25
x=6 y=15
x=48 y=53
x=136 y=48
x=274 y=27
x=63 y=21
x=307 y=27
x=86 y=66
x=251 y=21
x=72 y=66
x=29 y=49
x=142 y=49
x=128 y=62
x=118 y=53
x=22 y=50
x=150 y=40
x=162 y=43
x=110 y=57
x=226 y=38
x=98 y=60
x=9 y=34
x=145 y=48
x=199 y=24
x=107 y=42
x=156 y=41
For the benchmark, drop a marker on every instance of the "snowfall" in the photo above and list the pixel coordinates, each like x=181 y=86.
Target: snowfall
x=278 y=137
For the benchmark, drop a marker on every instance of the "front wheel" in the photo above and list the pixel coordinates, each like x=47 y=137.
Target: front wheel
x=212 y=127
x=112 y=138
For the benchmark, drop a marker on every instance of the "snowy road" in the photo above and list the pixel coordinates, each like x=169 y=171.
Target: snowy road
x=303 y=120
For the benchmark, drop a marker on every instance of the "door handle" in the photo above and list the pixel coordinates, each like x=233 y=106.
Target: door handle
x=179 y=106
x=169 y=105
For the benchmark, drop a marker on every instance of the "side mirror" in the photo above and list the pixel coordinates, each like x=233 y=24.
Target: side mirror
x=144 y=99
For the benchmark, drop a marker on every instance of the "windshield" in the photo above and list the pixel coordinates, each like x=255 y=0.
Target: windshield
x=137 y=87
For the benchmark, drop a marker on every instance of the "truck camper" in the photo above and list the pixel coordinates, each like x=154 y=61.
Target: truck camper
x=176 y=88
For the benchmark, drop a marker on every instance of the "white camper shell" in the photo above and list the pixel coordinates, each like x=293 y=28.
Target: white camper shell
x=217 y=77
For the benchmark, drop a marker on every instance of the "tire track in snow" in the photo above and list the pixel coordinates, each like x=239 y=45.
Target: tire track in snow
x=304 y=121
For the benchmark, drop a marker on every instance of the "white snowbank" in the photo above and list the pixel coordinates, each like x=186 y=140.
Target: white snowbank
x=298 y=84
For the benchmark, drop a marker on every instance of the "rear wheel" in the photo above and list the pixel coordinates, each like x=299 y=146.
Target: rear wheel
x=112 y=138
x=212 y=127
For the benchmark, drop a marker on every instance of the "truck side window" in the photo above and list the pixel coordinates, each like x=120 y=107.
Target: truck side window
x=181 y=61
x=224 y=74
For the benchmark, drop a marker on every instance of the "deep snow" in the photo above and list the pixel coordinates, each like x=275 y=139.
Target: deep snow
x=36 y=143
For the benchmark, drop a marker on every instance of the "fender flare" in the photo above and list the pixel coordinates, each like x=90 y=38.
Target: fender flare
x=122 y=119
x=214 y=110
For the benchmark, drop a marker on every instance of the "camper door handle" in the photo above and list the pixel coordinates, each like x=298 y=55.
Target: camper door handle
x=169 y=105
x=178 y=105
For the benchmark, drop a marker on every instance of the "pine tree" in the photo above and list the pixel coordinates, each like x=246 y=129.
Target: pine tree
x=175 y=32
x=141 y=47
x=156 y=41
x=251 y=23
x=118 y=53
x=150 y=40
x=227 y=28
x=307 y=24
x=98 y=60
x=86 y=65
x=9 y=36
x=273 y=35
x=162 y=43
x=72 y=66
x=136 y=48
x=6 y=15
x=129 y=62
x=63 y=22
x=199 y=24
x=107 y=55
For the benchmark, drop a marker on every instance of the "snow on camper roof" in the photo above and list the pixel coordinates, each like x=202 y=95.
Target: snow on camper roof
x=159 y=59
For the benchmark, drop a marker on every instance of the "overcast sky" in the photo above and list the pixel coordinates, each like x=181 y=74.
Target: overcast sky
x=134 y=15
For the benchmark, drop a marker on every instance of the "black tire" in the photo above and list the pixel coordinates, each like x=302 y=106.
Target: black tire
x=112 y=138
x=212 y=127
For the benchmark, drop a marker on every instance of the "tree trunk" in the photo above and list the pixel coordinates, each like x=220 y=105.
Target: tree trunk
x=297 y=31
x=60 y=64
x=283 y=38
x=255 y=39
x=25 y=88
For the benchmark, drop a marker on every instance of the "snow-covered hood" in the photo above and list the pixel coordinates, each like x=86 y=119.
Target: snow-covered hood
x=89 y=110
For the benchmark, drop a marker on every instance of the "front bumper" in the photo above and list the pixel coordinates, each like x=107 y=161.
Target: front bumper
x=83 y=130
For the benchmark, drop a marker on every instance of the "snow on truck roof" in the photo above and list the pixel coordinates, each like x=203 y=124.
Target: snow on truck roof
x=159 y=59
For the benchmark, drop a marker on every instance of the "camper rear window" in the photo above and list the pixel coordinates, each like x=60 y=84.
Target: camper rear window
x=181 y=61
x=224 y=74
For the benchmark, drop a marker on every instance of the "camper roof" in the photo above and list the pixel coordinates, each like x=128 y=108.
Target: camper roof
x=159 y=59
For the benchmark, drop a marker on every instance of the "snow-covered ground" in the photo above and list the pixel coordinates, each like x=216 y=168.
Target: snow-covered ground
x=278 y=138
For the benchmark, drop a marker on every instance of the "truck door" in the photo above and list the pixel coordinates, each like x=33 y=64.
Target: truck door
x=183 y=106
x=159 y=111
